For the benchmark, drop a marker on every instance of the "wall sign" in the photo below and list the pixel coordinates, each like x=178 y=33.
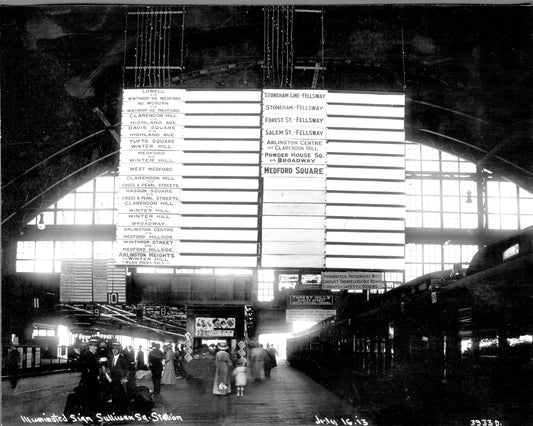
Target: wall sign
x=214 y=327
x=352 y=280
x=312 y=315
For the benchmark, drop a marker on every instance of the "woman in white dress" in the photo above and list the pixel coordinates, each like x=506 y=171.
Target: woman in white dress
x=169 y=374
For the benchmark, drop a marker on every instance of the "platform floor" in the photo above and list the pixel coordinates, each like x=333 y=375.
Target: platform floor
x=288 y=397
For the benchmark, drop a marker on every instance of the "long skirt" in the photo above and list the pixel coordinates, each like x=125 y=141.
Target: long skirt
x=169 y=375
x=222 y=375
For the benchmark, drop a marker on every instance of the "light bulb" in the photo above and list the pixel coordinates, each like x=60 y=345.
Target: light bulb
x=41 y=225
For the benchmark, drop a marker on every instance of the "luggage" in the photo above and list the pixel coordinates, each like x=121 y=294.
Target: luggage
x=73 y=406
x=142 y=374
x=141 y=400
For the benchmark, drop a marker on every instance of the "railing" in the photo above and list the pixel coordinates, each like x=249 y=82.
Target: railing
x=41 y=359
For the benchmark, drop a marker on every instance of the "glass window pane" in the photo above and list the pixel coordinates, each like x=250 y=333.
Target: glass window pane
x=44 y=249
x=430 y=187
x=451 y=220
x=430 y=166
x=507 y=189
x=44 y=266
x=526 y=205
x=509 y=205
x=413 y=165
x=450 y=204
x=525 y=194
x=429 y=153
x=414 y=202
x=431 y=203
x=526 y=220
x=467 y=167
x=494 y=221
x=493 y=188
x=468 y=205
x=432 y=253
x=509 y=221
x=103 y=200
x=450 y=167
x=66 y=249
x=103 y=217
x=83 y=250
x=450 y=187
x=468 y=220
x=103 y=249
x=26 y=250
x=105 y=184
x=84 y=217
x=413 y=219
x=25 y=265
x=65 y=217
x=412 y=151
x=84 y=200
x=493 y=205
x=414 y=186
x=468 y=185
x=67 y=202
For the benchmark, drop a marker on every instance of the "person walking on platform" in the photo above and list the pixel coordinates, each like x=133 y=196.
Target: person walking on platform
x=240 y=376
x=273 y=352
x=140 y=365
x=268 y=361
x=257 y=361
x=169 y=371
x=12 y=365
x=223 y=369
x=129 y=354
x=155 y=363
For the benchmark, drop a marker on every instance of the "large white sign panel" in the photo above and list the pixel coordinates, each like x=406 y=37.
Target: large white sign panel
x=331 y=167
x=314 y=315
x=352 y=280
x=294 y=133
x=293 y=166
x=151 y=163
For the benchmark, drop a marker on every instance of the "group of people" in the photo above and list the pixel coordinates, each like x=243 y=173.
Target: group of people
x=165 y=365
x=261 y=363
x=108 y=380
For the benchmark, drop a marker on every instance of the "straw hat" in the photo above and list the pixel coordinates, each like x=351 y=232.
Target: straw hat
x=223 y=346
x=94 y=341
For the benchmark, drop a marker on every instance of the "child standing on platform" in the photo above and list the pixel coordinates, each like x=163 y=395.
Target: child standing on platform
x=240 y=376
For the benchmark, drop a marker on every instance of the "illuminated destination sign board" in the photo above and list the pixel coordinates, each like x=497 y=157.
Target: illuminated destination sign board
x=294 y=133
x=149 y=190
x=313 y=315
x=352 y=280
x=310 y=300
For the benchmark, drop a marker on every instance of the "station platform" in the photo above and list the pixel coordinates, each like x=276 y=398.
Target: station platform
x=288 y=397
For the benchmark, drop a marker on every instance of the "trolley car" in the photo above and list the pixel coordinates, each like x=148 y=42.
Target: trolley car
x=450 y=344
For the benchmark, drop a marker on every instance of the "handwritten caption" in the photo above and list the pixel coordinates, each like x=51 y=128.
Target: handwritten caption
x=100 y=417
x=348 y=421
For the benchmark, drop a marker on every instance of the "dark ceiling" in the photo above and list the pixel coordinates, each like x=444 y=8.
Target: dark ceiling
x=466 y=72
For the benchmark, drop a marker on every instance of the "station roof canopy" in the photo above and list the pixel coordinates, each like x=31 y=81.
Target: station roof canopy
x=466 y=72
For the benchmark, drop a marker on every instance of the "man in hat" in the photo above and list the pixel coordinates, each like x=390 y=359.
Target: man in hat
x=155 y=362
x=118 y=372
x=12 y=365
x=89 y=387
